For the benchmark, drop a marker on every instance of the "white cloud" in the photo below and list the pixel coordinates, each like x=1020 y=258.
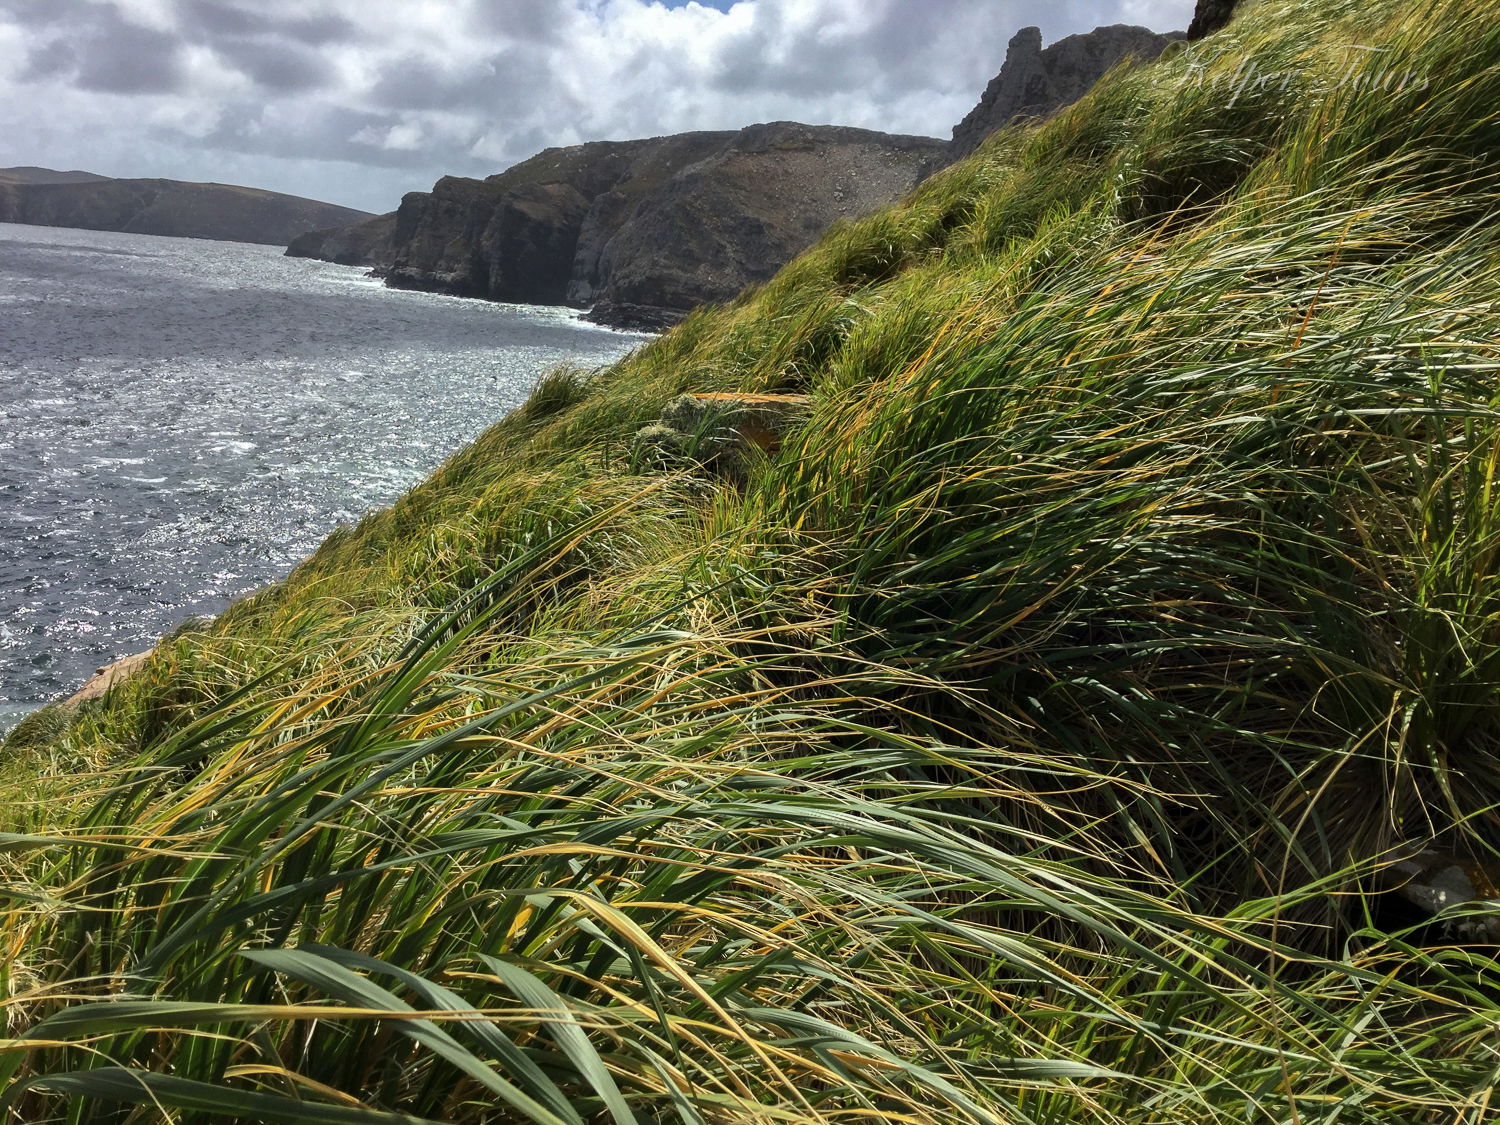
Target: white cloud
x=361 y=100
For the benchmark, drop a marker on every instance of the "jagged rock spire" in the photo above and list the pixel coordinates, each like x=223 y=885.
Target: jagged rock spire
x=1209 y=17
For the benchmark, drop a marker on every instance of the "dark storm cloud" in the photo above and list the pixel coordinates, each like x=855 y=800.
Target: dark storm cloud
x=48 y=59
x=217 y=19
x=283 y=66
x=285 y=53
x=97 y=45
x=107 y=52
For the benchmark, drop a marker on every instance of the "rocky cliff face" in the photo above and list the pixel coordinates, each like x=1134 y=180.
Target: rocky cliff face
x=646 y=230
x=737 y=216
x=370 y=243
x=1035 y=82
x=169 y=207
x=514 y=236
x=1210 y=16
x=642 y=230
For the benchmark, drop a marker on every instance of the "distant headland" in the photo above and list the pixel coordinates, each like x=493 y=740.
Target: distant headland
x=225 y=212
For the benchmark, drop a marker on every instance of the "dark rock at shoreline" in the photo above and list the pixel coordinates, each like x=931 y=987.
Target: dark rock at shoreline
x=167 y=207
x=633 y=318
x=1034 y=82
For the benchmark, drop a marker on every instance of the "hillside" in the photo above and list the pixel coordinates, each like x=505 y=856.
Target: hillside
x=30 y=174
x=42 y=197
x=1049 y=675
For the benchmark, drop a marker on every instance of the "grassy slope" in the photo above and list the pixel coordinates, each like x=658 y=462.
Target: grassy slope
x=1022 y=744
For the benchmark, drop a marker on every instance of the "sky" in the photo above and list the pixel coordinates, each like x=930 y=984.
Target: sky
x=359 y=101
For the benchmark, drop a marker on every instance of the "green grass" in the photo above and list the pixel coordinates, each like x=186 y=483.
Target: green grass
x=1024 y=742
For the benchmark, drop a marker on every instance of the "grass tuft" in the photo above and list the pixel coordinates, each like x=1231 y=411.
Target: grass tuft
x=1045 y=733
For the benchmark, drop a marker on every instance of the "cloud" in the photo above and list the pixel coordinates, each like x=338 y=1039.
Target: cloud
x=285 y=67
x=101 y=50
x=362 y=100
x=218 y=20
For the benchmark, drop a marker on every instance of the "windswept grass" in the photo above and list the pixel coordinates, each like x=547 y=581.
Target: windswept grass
x=1032 y=739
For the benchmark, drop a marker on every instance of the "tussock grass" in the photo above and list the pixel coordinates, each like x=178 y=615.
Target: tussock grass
x=1030 y=740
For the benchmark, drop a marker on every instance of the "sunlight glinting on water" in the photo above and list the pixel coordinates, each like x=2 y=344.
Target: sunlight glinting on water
x=181 y=421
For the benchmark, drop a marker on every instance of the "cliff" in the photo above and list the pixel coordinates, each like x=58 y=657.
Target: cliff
x=643 y=230
x=733 y=219
x=646 y=230
x=369 y=243
x=514 y=236
x=169 y=207
x=1209 y=17
x=1034 y=82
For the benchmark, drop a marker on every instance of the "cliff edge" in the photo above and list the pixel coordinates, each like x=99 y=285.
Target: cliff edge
x=642 y=230
x=1035 y=82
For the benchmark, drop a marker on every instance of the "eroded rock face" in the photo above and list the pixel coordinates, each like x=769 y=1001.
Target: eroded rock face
x=1035 y=82
x=643 y=231
x=734 y=218
x=514 y=236
x=1209 y=17
x=469 y=240
x=370 y=243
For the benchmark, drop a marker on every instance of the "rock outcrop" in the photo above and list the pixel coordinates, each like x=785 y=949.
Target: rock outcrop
x=1035 y=82
x=514 y=236
x=170 y=207
x=644 y=230
x=736 y=217
x=107 y=676
x=1209 y=17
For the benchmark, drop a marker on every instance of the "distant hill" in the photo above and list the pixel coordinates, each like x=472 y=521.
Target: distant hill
x=29 y=174
x=44 y=197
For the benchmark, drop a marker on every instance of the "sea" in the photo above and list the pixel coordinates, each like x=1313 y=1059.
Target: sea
x=182 y=421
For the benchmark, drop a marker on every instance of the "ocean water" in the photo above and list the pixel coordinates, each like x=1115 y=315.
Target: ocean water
x=181 y=421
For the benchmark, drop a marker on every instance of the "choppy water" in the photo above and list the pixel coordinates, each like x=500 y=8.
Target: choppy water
x=181 y=421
